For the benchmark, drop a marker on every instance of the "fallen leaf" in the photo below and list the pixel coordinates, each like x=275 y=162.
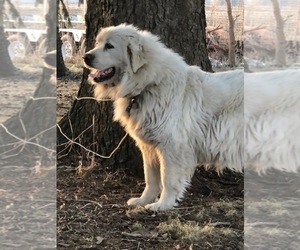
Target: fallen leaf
x=99 y=240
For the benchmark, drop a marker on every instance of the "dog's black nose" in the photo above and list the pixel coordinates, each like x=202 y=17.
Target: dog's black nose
x=88 y=58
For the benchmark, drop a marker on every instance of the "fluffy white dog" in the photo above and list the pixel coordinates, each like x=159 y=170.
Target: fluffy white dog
x=272 y=120
x=179 y=115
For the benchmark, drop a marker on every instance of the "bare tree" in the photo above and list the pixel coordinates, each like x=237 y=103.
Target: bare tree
x=231 y=51
x=280 y=54
x=91 y=123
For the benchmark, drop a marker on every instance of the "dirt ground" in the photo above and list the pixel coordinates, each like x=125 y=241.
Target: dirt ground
x=92 y=211
x=27 y=206
x=15 y=91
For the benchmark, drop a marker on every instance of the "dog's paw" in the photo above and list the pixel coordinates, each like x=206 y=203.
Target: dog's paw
x=158 y=206
x=136 y=202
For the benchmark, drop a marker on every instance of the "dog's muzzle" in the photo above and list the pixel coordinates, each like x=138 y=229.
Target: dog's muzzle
x=96 y=74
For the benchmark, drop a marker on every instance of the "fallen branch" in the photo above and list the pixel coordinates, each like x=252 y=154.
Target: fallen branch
x=261 y=224
x=260 y=27
x=219 y=223
x=215 y=29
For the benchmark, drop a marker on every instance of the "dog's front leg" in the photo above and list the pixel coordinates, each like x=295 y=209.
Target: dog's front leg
x=176 y=169
x=152 y=178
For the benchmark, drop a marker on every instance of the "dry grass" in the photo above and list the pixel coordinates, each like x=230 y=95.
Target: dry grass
x=16 y=90
x=137 y=226
x=75 y=66
x=32 y=64
x=185 y=230
x=134 y=211
x=201 y=214
x=274 y=207
x=229 y=207
x=192 y=231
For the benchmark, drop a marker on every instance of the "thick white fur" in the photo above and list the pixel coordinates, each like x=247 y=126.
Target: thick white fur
x=183 y=116
x=272 y=120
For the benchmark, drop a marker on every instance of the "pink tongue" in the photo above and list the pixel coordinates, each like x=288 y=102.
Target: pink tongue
x=99 y=73
x=96 y=74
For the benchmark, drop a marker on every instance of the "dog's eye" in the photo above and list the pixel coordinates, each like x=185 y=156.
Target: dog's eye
x=108 y=46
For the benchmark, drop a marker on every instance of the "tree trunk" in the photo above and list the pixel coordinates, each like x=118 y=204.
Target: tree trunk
x=61 y=69
x=30 y=132
x=51 y=20
x=89 y=122
x=231 y=52
x=6 y=66
x=280 y=54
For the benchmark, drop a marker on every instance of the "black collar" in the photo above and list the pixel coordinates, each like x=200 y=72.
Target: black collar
x=133 y=104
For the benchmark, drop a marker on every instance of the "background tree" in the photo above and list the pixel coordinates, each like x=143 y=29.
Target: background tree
x=6 y=66
x=181 y=26
x=62 y=14
x=61 y=67
x=280 y=54
x=231 y=52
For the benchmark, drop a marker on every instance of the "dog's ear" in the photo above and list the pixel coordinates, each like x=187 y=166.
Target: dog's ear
x=135 y=53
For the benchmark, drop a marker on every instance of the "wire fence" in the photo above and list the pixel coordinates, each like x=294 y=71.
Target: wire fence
x=216 y=15
x=253 y=14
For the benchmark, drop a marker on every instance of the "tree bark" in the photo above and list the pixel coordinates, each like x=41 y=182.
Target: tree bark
x=280 y=54
x=180 y=25
x=231 y=52
x=6 y=66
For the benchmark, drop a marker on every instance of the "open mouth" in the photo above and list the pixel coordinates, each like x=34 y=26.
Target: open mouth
x=103 y=75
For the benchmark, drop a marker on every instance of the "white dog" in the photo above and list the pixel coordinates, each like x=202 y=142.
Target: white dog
x=179 y=115
x=272 y=120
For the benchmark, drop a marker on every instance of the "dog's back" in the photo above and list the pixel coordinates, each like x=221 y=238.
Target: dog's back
x=272 y=120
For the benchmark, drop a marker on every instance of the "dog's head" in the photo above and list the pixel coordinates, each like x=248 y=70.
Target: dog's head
x=118 y=53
